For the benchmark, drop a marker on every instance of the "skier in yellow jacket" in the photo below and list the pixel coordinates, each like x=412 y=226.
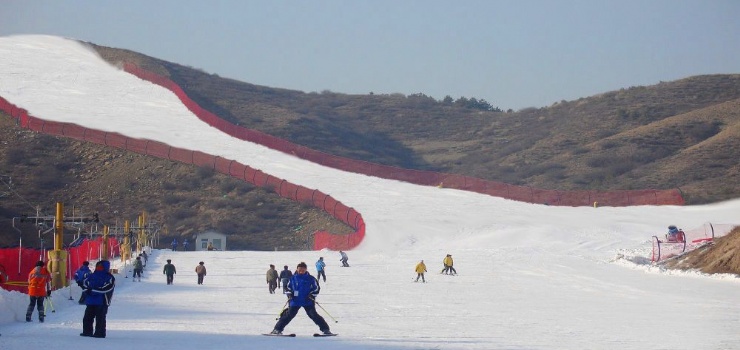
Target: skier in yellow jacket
x=420 y=269
x=448 y=269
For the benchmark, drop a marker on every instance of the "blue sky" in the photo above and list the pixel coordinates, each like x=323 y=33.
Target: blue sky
x=513 y=54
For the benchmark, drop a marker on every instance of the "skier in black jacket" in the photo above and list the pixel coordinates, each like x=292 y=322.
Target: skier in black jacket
x=285 y=276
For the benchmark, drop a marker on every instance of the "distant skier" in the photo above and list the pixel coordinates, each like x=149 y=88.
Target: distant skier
x=185 y=245
x=285 y=276
x=80 y=276
x=138 y=269
x=448 y=269
x=302 y=292
x=320 y=266
x=675 y=234
x=272 y=279
x=174 y=244
x=170 y=271
x=144 y=257
x=420 y=269
x=344 y=259
x=201 y=271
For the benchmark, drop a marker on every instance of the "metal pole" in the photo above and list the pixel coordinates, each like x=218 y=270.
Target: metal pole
x=282 y=309
x=327 y=312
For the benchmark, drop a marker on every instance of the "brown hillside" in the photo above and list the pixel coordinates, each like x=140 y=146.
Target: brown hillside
x=698 y=153
x=673 y=134
x=681 y=134
x=120 y=185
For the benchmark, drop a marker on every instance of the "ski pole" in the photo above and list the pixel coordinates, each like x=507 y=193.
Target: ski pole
x=48 y=303
x=327 y=312
x=282 y=309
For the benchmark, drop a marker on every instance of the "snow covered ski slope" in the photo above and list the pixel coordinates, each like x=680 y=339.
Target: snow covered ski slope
x=530 y=276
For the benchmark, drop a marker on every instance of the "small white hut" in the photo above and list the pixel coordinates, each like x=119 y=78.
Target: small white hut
x=215 y=239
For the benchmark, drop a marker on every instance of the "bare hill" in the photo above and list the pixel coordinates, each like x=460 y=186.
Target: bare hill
x=680 y=134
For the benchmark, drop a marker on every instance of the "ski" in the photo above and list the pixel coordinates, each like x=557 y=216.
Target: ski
x=279 y=335
x=325 y=335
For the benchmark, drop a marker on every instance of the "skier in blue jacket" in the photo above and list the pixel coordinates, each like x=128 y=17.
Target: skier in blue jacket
x=302 y=292
x=320 y=265
x=99 y=287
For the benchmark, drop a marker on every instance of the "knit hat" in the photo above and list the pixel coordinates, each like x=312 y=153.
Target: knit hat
x=39 y=263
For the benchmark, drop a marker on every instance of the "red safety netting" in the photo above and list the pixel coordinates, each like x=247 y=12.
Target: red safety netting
x=666 y=247
x=17 y=263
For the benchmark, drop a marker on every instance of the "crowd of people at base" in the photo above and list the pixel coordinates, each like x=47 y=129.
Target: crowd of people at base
x=300 y=287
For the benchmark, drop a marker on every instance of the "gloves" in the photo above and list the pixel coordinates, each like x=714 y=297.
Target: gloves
x=48 y=292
